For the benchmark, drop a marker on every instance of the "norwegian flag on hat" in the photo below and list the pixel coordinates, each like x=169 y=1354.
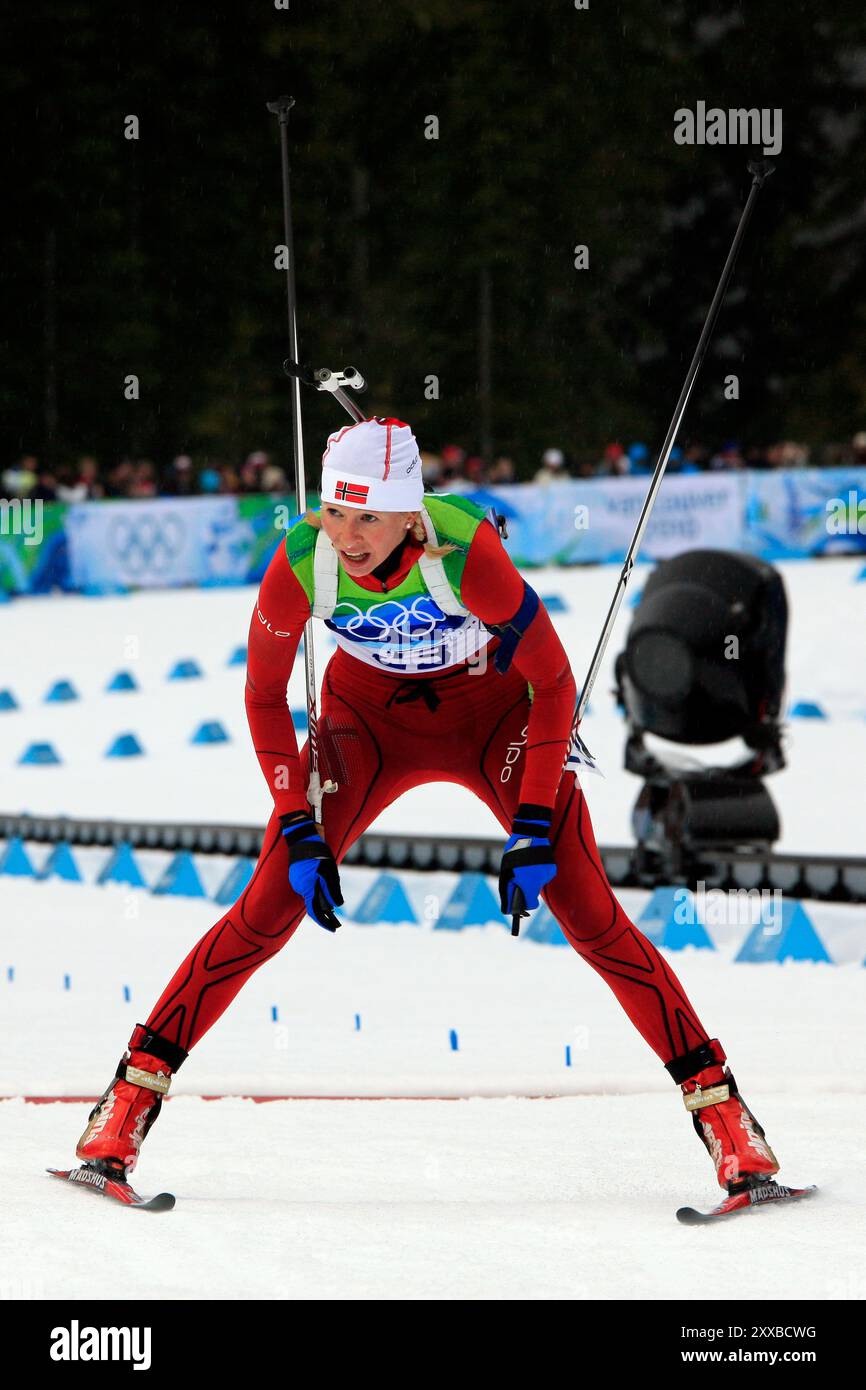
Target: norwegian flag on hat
x=350 y=492
x=375 y=464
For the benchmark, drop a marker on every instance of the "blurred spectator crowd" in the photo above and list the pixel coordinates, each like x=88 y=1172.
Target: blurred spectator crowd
x=86 y=479
x=453 y=468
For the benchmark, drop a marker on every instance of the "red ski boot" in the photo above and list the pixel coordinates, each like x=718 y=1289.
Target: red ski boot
x=126 y=1110
x=735 y=1141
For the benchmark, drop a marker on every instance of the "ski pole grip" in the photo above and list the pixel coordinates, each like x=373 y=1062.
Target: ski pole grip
x=282 y=106
x=761 y=169
x=304 y=374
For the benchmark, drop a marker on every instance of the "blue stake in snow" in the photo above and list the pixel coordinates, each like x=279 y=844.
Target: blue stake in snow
x=67 y=982
x=471 y=904
x=567 y=1055
x=124 y=680
x=273 y=1013
x=385 y=901
x=10 y=973
x=543 y=926
x=357 y=1023
x=806 y=709
x=126 y=993
x=185 y=670
x=39 y=753
x=554 y=603
x=789 y=935
x=15 y=860
x=235 y=882
x=61 y=864
x=124 y=746
x=210 y=732
x=121 y=867
x=61 y=691
x=453 y=1040
x=670 y=919
x=181 y=878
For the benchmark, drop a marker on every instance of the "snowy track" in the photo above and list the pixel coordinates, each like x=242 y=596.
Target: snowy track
x=476 y=1199
x=489 y=1195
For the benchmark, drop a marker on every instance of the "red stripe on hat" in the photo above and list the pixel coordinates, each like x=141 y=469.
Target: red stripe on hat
x=344 y=430
x=387 y=449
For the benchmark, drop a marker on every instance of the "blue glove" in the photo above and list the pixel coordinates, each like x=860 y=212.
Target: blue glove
x=312 y=869
x=527 y=860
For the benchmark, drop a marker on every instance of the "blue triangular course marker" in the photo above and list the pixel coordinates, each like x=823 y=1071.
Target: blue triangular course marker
x=554 y=603
x=670 y=919
x=634 y=599
x=861 y=574
x=543 y=926
x=122 y=868
x=385 y=901
x=211 y=732
x=185 y=670
x=299 y=718
x=15 y=860
x=124 y=746
x=124 y=680
x=806 y=709
x=180 y=877
x=7 y=700
x=39 y=753
x=61 y=864
x=61 y=690
x=234 y=882
x=794 y=938
x=471 y=904
x=238 y=657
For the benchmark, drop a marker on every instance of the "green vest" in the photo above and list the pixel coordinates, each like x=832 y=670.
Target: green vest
x=422 y=624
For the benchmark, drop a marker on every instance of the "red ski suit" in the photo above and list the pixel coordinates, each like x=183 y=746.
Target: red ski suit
x=474 y=727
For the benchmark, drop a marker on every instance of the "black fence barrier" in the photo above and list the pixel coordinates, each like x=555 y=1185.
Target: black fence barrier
x=825 y=878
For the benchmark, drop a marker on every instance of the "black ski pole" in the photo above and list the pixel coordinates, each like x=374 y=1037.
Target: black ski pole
x=760 y=171
x=281 y=108
x=518 y=909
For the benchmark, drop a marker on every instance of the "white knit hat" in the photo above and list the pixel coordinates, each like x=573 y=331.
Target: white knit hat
x=373 y=466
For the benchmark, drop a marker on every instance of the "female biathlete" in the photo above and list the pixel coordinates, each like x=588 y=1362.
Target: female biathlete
x=447 y=669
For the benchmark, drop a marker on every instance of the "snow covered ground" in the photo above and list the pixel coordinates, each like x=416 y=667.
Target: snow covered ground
x=87 y=640
x=472 y=1199
x=463 y=1187
x=490 y=1196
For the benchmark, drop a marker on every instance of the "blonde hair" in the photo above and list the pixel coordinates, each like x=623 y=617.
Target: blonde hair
x=416 y=531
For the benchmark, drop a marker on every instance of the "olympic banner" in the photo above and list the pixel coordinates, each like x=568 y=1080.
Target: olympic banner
x=113 y=546
x=806 y=511
x=153 y=544
x=33 y=550
x=593 y=522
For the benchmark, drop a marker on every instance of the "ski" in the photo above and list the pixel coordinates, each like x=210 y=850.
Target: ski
x=745 y=1201
x=116 y=1188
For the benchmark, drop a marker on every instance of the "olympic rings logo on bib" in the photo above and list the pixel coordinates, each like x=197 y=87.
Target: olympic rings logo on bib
x=407 y=636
